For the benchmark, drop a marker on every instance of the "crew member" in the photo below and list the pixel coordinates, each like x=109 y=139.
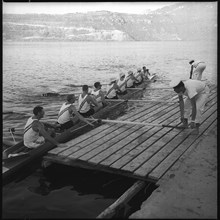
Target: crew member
x=85 y=103
x=139 y=76
x=112 y=89
x=197 y=93
x=131 y=79
x=35 y=133
x=68 y=115
x=121 y=82
x=99 y=95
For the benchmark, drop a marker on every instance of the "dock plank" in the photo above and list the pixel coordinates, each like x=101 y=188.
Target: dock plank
x=161 y=169
x=185 y=137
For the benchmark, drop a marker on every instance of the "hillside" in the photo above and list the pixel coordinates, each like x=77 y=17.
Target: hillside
x=180 y=21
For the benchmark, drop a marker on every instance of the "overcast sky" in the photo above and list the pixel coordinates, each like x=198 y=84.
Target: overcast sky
x=62 y=8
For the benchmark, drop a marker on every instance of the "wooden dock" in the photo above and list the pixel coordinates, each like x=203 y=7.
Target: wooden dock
x=141 y=152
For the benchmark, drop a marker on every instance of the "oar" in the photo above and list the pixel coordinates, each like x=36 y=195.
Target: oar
x=140 y=100
x=73 y=85
x=135 y=88
x=136 y=123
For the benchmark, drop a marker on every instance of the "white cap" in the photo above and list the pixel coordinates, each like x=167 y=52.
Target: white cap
x=121 y=74
x=130 y=72
x=174 y=82
x=112 y=79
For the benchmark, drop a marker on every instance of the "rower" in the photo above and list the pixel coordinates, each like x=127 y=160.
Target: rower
x=68 y=115
x=99 y=95
x=85 y=107
x=112 y=89
x=139 y=76
x=121 y=82
x=35 y=133
x=131 y=79
x=146 y=72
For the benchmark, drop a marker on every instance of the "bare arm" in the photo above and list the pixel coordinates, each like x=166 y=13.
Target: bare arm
x=73 y=110
x=102 y=97
x=93 y=101
x=38 y=126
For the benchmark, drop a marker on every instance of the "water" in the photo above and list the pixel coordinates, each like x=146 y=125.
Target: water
x=33 y=68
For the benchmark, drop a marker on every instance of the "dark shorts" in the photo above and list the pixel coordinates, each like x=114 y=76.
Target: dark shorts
x=67 y=125
x=89 y=113
x=122 y=93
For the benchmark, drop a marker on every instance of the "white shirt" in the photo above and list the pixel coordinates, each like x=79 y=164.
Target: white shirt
x=121 y=84
x=97 y=95
x=64 y=115
x=85 y=107
x=194 y=87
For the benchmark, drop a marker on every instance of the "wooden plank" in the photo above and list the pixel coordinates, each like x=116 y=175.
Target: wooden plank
x=151 y=150
x=85 y=136
x=76 y=146
x=211 y=127
x=101 y=147
x=122 y=200
x=160 y=170
x=121 y=143
x=186 y=138
x=124 y=155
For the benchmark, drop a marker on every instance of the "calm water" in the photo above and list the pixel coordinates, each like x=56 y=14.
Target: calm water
x=33 y=68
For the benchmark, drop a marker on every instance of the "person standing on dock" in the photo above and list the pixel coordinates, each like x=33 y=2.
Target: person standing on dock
x=197 y=93
x=87 y=105
x=112 y=89
x=197 y=68
x=139 y=76
x=35 y=133
x=121 y=82
x=99 y=95
x=131 y=79
x=68 y=115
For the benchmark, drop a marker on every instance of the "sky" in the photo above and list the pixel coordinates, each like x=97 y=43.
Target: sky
x=64 y=7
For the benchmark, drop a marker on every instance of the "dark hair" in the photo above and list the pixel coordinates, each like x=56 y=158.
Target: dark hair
x=191 y=61
x=144 y=67
x=96 y=84
x=85 y=87
x=181 y=84
x=37 y=109
x=69 y=97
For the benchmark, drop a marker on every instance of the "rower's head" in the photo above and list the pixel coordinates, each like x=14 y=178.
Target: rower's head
x=85 y=88
x=97 y=85
x=178 y=86
x=121 y=75
x=139 y=70
x=71 y=98
x=38 y=112
x=191 y=61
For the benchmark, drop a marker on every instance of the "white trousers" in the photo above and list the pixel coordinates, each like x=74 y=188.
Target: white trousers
x=197 y=73
x=201 y=100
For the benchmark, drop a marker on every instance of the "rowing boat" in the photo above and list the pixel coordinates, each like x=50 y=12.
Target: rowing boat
x=112 y=111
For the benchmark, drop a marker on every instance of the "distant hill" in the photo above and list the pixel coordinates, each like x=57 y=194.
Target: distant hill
x=180 y=21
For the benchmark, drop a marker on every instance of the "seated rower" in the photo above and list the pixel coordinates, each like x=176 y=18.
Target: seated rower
x=112 y=87
x=131 y=79
x=35 y=133
x=139 y=76
x=99 y=95
x=68 y=115
x=85 y=103
x=146 y=73
x=122 y=84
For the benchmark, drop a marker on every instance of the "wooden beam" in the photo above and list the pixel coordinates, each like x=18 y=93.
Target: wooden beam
x=126 y=197
x=140 y=100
